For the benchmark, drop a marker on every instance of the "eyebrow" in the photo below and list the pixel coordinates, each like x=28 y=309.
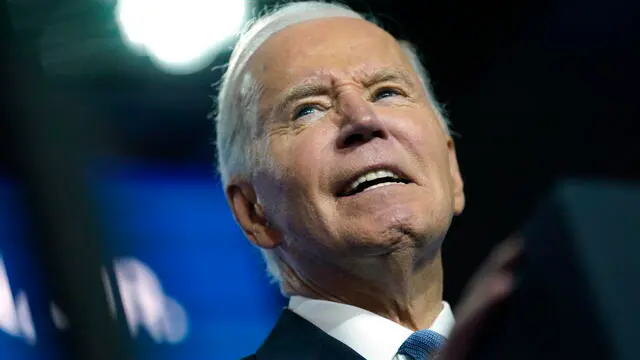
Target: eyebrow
x=307 y=89
x=316 y=87
x=389 y=75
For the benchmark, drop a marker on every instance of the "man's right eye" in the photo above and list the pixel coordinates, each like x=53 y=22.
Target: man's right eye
x=304 y=111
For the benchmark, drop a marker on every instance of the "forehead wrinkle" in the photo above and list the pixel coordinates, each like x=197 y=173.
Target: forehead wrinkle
x=324 y=81
x=320 y=82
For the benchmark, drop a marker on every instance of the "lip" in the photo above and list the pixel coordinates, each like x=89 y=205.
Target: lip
x=342 y=185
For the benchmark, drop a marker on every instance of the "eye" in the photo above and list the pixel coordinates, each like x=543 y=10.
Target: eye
x=383 y=93
x=304 y=111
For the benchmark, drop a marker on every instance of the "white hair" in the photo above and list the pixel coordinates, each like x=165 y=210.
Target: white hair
x=241 y=148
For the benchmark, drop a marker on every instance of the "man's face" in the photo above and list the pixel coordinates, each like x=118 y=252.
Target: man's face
x=363 y=165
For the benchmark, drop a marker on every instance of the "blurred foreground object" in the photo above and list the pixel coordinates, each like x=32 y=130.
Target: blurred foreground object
x=52 y=143
x=578 y=291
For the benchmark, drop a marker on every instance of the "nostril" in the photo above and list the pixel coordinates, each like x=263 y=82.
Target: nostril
x=362 y=137
x=353 y=139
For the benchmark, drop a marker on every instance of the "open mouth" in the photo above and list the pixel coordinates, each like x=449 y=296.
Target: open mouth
x=371 y=180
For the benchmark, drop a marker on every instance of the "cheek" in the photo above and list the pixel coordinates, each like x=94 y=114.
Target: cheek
x=305 y=159
x=426 y=143
x=300 y=161
x=424 y=139
x=303 y=155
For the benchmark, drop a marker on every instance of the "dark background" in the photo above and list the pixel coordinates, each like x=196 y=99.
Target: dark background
x=536 y=90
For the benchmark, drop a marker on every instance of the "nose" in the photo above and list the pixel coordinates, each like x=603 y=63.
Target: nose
x=359 y=122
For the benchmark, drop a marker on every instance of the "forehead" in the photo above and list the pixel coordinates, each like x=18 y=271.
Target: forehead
x=325 y=48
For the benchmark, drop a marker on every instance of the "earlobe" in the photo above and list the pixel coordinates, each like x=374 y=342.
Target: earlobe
x=457 y=183
x=249 y=214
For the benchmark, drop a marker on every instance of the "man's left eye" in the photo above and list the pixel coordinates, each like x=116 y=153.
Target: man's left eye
x=385 y=93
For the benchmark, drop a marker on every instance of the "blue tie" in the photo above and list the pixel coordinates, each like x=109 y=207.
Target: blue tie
x=422 y=345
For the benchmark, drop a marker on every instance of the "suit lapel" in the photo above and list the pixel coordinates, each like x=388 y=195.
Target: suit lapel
x=295 y=338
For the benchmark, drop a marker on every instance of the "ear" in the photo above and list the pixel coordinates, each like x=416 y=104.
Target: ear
x=458 y=184
x=249 y=214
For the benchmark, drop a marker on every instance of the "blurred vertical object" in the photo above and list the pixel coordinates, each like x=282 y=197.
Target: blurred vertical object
x=578 y=291
x=51 y=144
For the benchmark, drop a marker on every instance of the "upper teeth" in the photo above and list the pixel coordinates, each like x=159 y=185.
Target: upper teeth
x=372 y=175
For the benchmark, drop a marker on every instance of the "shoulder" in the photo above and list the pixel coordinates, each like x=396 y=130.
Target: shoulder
x=250 y=357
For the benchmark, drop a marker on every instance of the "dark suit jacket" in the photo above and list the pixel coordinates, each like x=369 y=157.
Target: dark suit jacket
x=295 y=338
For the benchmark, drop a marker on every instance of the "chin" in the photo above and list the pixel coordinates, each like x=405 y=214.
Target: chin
x=380 y=235
x=410 y=227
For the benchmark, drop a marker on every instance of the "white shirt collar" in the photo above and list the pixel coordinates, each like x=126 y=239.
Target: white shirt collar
x=370 y=335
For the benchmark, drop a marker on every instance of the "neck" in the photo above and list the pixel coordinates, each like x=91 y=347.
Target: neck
x=395 y=286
